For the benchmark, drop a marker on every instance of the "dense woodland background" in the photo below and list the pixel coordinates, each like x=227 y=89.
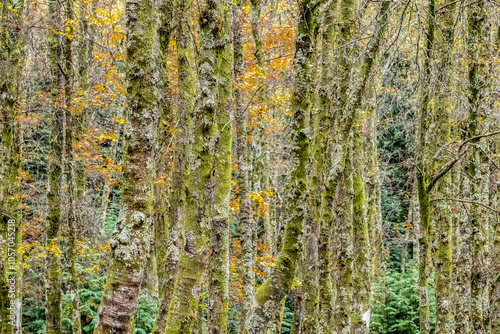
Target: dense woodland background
x=262 y=166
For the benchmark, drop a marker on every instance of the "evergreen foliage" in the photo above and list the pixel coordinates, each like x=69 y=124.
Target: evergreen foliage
x=395 y=303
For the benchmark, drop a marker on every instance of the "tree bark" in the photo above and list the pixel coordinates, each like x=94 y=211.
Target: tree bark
x=11 y=59
x=73 y=215
x=275 y=288
x=360 y=320
x=131 y=238
x=324 y=126
x=218 y=260
x=442 y=211
x=201 y=182
x=53 y=276
x=477 y=34
x=422 y=174
x=170 y=247
x=244 y=171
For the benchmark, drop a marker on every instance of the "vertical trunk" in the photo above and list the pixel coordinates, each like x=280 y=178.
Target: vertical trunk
x=422 y=187
x=11 y=57
x=53 y=312
x=360 y=320
x=373 y=192
x=131 y=238
x=80 y=119
x=324 y=117
x=477 y=33
x=310 y=277
x=442 y=211
x=424 y=254
x=309 y=265
x=494 y=309
x=275 y=322
x=344 y=244
x=169 y=248
x=244 y=170
x=70 y=170
x=463 y=264
x=206 y=144
x=261 y=168
x=298 y=311
x=275 y=288
x=218 y=267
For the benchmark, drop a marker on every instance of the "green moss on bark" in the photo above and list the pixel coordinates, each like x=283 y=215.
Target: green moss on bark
x=131 y=238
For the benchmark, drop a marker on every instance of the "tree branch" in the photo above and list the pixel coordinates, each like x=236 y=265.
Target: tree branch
x=449 y=165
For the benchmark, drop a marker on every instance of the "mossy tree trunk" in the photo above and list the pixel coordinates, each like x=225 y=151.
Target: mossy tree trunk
x=53 y=274
x=261 y=164
x=202 y=185
x=166 y=223
x=244 y=170
x=343 y=230
x=422 y=173
x=131 y=238
x=360 y=319
x=342 y=221
x=324 y=120
x=11 y=59
x=298 y=311
x=442 y=210
x=373 y=194
x=218 y=266
x=463 y=265
x=476 y=167
x=268 y=297
x=72 y=214
x=168 y=268
x=494 y=302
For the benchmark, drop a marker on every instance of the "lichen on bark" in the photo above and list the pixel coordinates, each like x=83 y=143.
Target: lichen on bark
x=131 y=239
x=268 y=297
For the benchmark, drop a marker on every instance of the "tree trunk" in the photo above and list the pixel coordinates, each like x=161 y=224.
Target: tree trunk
x=477 y=34
x=201 y=181
x=218 y=261
x=170 y=248
x=275 y=288
x=343 y=230
x=244 y=170
x=360 y=320
x=442 y=211
x=422 y=186
x=11 y=59
x=373 y=194
x=325 y=118
x=73 y=215
x=463 y=264
x=131 y=238
x=53 y=312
